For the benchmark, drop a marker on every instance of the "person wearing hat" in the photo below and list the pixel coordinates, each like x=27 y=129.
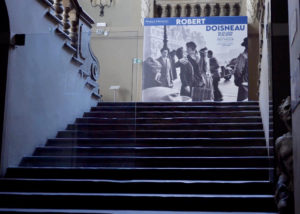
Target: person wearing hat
x=198 y=82
x=214 y=67
x=205 y=92
x=173 y=64
x=166 y=69
x=241 y=73
x=186 y=74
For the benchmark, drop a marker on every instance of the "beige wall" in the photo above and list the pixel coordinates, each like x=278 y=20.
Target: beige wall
x=265 y=81
x=116 y=51
x=253 y=52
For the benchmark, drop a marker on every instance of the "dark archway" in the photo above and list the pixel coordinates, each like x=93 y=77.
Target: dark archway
x=226 y=10
x=168 y=11
x=236 y=10
x=197 y=10
x=217 y=10
x=4 y=48
x=207 y=10
x=188 y=10
x=178 y=11
x=159 y=11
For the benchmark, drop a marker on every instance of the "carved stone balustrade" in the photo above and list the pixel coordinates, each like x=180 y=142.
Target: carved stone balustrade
x=74 y=26
x=196 y=8
x=67 y=23
x=59 y=9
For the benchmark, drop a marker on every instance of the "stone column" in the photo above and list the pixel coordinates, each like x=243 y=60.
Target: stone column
x=164 y=11
x=182 y=10
x=202 y=5
x=173 y=9
x=193 y=10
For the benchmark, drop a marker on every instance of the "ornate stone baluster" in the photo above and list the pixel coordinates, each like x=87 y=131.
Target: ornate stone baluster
x=225 y=9
x=168 y=11
x=74 y=33
x=216 y=11
x=67 y=23
x=159 y=11
x=182 y=10
x=59 y=9
x=231 y=9
x=236 y=9
x=187 y=10
x=207 y=11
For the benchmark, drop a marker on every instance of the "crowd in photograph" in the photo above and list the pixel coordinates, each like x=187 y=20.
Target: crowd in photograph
x=200 y=72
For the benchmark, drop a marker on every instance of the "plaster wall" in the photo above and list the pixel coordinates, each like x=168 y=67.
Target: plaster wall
x=264 y=87
x=253 y=54
x=44 y=90
x=294 y=47
x=296 y=152
x=117 y=50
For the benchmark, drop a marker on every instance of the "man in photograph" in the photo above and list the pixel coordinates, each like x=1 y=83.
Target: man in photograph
x=166 y=69
x=241 y=73
x=186 y=74
x=193 y=59
x=214 y=70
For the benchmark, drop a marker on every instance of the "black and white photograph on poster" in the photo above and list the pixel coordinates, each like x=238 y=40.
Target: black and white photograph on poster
x=195 y=59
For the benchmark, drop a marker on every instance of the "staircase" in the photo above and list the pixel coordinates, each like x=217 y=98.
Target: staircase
x=162 y=157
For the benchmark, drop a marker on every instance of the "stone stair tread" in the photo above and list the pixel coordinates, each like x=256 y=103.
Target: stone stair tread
x=141 y=173
x=178 y=156
x=142 y=181
x=153 y=148
x=69 y=211
x=141 y=195
x=153 y=157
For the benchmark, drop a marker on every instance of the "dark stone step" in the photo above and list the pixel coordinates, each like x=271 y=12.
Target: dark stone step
x=167 y=162
x=87 y=211
x=182 y=126
x=136 y=186
x=176 y=108
x=172 y=114
x=190 y=120
x=157 y=142
x=135 y=173
x=61 y=211
x=138 y=201
x=250 y=103
x=162 y=134
x=152 y=151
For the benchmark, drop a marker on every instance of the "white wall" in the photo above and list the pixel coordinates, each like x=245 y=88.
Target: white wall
x=44 y=89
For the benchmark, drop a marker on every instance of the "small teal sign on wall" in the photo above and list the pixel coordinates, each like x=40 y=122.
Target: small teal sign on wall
x=137 y=61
